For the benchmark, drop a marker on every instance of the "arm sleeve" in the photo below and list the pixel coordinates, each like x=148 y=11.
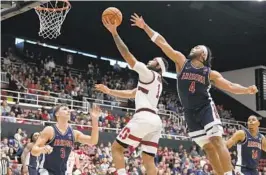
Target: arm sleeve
x=145 y=75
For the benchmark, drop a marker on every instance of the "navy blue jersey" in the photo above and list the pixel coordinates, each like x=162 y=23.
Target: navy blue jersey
x=193 y=86
x=249 y=151
x=56 y=162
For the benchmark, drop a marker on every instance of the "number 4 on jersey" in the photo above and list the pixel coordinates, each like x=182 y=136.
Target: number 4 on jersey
x=192 y=87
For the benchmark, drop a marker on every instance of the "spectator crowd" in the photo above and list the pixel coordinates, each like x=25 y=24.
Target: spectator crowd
x=97 y=160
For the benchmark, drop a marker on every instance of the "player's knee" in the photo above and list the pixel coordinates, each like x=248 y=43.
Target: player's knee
x=116 y=147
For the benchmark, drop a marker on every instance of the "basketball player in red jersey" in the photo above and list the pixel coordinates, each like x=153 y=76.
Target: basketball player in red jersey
x=194 y=82
x=145 y=126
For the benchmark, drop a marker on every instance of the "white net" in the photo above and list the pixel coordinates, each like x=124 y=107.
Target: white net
x=52 y=16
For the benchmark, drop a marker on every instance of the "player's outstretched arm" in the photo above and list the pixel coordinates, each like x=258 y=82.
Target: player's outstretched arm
x=39 y=147
x=93 y=139
x=220 y=82
x=159 y=40
x=116 y=93
x=238 y=136
x=123 y=49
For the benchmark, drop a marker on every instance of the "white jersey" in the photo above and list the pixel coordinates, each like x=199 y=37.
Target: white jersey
x=148 y=92
x=71 y=163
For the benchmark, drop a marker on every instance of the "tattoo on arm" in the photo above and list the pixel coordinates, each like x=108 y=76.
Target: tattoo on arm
x=123 y=49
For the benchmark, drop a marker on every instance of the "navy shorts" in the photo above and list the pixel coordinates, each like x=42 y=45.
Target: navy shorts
x=203 y=122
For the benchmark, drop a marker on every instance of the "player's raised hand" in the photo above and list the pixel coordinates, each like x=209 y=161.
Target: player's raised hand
x=95 y=111
x=252 y=89
x=112 y=28
x=102 y=88
x=137 y=21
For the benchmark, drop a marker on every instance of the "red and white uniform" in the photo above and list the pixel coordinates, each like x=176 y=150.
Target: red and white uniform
x=145 y=126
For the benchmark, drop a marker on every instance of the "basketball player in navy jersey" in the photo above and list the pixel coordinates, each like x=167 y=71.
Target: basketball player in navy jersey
x=30 y=162
x=57 y=141
x=194 y=82
x=146 y=125
x=250 y=144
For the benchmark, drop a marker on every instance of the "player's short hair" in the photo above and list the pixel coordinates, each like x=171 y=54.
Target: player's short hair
x=254 y=116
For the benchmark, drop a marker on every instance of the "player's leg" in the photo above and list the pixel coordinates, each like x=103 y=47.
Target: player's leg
x=213 y=157
x=118 y=156
x=131 y=135
x=199 y=135
x=149 y=164
x=223 y=153
x=211 y=154
x=213 y=127
x=149 y=145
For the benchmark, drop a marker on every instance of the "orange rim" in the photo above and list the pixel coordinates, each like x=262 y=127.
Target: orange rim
x=55 y=9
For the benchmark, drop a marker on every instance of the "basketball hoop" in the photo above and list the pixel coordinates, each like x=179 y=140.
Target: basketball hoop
x=52 y=15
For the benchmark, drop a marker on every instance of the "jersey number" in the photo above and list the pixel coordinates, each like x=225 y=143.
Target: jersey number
x=192 y=87
x=124 y=133
x=158 y=91
x=254 y=154
x=62 y=153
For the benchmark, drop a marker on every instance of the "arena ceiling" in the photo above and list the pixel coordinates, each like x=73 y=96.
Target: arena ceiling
x=235 y=31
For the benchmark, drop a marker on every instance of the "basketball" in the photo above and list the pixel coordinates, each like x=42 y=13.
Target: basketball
x=113 y=14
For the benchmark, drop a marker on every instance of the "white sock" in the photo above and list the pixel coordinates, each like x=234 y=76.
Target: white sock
x=122 y=171
x=228 y=173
